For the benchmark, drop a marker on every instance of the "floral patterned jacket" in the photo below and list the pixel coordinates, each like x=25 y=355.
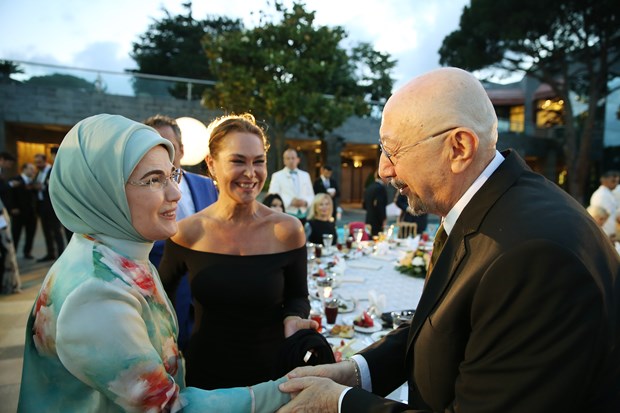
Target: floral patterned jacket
x=102 y=338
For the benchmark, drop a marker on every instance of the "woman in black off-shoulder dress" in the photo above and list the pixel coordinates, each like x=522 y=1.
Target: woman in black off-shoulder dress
x=246 y=265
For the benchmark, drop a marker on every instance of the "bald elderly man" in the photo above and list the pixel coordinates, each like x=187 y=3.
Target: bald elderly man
x=520 y=311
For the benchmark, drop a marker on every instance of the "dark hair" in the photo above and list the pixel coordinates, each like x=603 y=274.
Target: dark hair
x=159 y=121
x=7 y=156
x=327 y=167
x=269 y=199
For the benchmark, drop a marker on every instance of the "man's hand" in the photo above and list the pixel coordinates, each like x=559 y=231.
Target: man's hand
x=298 y=203
x=343 y=372
x=311 y=394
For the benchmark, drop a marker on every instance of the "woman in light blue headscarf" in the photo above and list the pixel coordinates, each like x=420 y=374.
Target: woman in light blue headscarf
x=102 y=333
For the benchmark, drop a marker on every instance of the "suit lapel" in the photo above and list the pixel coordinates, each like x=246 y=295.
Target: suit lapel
x=467 y=225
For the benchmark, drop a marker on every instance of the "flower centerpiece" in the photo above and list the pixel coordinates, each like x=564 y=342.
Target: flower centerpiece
x=414 y=263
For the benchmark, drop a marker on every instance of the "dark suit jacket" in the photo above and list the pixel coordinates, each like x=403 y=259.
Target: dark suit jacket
x=203 y=193
x=375 y=202
x=22 y=197
x=520 y=314
x=319 y=188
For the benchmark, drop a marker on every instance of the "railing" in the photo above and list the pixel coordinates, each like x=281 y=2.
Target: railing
x=110 y=82
x=123 y=83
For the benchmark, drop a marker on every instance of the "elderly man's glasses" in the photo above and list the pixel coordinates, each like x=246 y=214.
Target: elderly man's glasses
x=392 y=155
x=160 y=181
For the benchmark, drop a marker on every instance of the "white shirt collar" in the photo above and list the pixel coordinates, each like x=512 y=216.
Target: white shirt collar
x=450 y=219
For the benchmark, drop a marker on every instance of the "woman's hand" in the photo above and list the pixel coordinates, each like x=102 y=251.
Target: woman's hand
x=293 y=324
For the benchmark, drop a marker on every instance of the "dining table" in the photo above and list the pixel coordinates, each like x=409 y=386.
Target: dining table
x=363 y=279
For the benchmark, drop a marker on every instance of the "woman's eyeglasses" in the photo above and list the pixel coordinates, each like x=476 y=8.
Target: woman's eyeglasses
x=160 y=181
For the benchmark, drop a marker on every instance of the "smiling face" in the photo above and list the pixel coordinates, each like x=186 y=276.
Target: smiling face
x=440 y=131
x=240 y=166
x=153 y=212
x=324 y=208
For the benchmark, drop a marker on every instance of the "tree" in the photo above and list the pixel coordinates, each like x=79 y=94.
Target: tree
x=8 y=68
x=172 y=47
x=572 y=45
x=63 y=81
x=293 y=74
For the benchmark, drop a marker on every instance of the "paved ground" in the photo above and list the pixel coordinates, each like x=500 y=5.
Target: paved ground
x=14 y=310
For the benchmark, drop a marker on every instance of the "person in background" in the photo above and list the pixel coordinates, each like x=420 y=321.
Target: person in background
x=52 y=231
x=293 y=185
x=421 y=219
x=603 y=197
x=197 y=193
x=320 y=219
x=520 y=311
x=275 y=202
x=10 y=281
x=325 y=184
x=7 y=163
x=21 y=206
x=375 y=203
x=101 y=336
x=246 y=264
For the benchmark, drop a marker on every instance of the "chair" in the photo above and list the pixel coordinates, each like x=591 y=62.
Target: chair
x=407 y=229
x=358 y=224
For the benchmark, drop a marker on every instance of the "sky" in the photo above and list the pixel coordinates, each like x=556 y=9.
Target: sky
x=96 y=34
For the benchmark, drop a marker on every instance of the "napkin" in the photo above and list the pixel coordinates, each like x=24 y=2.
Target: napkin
x=382 y=249
x=359 y=280
x=365 y=265
x=412 y=243
x=377 y=303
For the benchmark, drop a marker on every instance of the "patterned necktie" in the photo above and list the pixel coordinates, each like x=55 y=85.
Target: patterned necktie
x=440 y=239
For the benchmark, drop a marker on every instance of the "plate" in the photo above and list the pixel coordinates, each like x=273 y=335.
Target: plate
x=367 y=330
x=345 y=306
x=379 y=335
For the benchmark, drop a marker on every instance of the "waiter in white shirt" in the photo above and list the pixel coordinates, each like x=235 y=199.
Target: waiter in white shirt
x=293 y=185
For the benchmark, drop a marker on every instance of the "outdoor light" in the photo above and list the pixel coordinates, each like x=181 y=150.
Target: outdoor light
x=195 y=140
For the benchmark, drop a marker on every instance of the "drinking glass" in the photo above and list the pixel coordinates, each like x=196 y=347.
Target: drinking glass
x=327 y=241
x=358 y=233
x=310 y=250
x=331 y=311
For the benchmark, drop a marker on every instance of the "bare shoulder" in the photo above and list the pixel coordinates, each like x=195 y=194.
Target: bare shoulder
x=191 y=229
x=287 y=230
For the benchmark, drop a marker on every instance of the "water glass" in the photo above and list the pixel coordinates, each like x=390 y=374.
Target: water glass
x=310 y=250
x=358 y=233
x=328 y=239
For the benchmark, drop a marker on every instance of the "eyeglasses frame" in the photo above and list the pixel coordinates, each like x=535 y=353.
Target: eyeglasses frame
x=390 y=155
x=175 y=176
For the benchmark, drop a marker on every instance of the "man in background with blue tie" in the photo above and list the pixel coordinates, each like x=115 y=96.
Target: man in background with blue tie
x=197 y=193
x=293 y=185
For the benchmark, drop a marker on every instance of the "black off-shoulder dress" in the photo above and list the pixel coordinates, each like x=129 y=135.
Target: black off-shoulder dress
x=240 y=303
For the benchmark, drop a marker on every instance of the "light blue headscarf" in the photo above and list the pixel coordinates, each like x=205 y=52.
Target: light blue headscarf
x=93 y=164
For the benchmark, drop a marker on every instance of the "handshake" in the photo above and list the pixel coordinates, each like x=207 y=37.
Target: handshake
x=318 y=388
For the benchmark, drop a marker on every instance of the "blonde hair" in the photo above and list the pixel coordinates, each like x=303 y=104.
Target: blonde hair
x=599 y=214
x=318 y=198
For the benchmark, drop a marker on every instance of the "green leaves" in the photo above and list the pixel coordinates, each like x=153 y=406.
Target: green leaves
x=292 y=73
